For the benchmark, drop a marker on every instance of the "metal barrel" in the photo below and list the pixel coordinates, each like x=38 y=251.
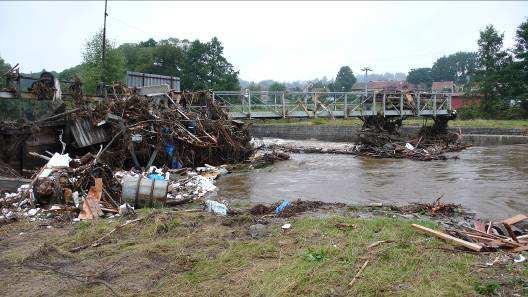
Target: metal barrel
x=140 y=191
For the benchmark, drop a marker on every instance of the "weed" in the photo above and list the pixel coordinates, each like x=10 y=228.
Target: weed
x=315 y=256
x=489 y=288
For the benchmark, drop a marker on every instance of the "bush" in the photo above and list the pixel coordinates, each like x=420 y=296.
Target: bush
x=470 y=112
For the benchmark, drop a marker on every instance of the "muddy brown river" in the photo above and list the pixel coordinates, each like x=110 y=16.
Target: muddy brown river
x=491 y=181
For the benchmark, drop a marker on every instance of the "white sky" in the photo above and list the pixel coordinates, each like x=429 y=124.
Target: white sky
x=263 y=40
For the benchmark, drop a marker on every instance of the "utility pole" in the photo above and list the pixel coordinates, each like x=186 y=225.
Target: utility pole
x=103 y=72
x=366 y=69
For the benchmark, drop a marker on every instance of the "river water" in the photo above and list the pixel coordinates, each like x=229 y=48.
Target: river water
x=491 y=181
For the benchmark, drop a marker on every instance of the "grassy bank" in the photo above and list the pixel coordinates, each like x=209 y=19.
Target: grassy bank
x=178 y=253
x=475 y=123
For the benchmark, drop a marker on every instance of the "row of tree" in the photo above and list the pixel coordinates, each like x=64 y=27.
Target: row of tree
x=500 y=75
x=199 y=65
x=343 y=82
x=458 y=67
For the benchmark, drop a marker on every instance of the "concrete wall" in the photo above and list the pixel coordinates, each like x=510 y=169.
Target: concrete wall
x=475 y=136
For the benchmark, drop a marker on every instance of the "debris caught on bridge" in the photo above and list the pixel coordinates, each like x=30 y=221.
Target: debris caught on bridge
x=379 y=138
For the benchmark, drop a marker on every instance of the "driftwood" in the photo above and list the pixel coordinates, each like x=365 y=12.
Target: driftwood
x=457 y=241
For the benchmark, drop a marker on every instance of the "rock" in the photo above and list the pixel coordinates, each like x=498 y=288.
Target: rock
x=258 y=231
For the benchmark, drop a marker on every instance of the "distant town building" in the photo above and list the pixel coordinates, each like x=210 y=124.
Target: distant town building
x=393 y=85
x=459 y=100
x=443 y=86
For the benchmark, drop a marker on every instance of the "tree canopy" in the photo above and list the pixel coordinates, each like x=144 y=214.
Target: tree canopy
x=420 y=76
x=277 y=87
x=4 y=67
x=344 y=81
x=492 y=59
x=456 y=67
x=199 y=65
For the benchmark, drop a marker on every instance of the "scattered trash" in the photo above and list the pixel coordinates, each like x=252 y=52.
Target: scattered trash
x=282 y=206
x=91 y=208
x=409 y=146
x=125 y=209
x=286 y=226
x=519 y=258
x=215 y=207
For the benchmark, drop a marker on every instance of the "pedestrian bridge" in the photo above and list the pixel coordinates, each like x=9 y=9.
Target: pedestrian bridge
x=268 y=105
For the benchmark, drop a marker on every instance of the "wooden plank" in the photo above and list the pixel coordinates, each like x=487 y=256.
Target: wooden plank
x=520 y=249
x=510 y=232
x=514 y=220
x=458 y=241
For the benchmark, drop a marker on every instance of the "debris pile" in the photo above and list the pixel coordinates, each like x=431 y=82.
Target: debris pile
x=134 y=148
x=286 y=208
x=381 y=140
x=148 y=131
x=80 y=189
x=510 y=234
x=437 y=208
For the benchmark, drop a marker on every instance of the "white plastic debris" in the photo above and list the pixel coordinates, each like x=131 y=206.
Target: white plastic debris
x=76 y=200
x=125 y=209
x=286 y=226
x=56 y=161
x=409 y=146
x=215 y=207
x=519 y=258
x=33 y=211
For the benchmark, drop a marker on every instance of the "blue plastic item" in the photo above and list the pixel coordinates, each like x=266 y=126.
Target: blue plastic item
x=282 y=206
x=156 y=176
x=176 y=164
x=169 y=149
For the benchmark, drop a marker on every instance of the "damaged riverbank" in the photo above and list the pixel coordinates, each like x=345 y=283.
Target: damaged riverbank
x=184 y=251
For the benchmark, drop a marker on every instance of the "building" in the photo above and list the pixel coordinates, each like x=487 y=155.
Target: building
x=443 y=87
x=379 y=86
x=459 y=100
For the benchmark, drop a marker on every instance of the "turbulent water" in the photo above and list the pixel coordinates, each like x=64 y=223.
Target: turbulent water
x=491 y=181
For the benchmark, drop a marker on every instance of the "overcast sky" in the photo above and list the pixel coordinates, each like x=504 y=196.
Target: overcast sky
x=263 y=40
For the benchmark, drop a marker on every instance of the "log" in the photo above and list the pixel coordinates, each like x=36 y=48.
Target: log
x=472 y=246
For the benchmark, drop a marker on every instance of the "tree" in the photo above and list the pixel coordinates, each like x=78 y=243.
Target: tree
x=489 y=76
x=199 y=65
x=4 y=67
x=520 y=67
x=344 y=81
x=458 y=67
x=92 y=71
x=253 y=86
x=420 y=76
x=277 y=87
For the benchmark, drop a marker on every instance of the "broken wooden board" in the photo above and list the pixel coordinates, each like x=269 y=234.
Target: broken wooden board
x=472 y=246
x=91 y=208
x=511 y=221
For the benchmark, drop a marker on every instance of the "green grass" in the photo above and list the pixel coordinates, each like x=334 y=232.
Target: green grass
x=197 y=254
x=475 y=123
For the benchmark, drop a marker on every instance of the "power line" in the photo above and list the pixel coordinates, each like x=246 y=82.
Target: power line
x=131 y=26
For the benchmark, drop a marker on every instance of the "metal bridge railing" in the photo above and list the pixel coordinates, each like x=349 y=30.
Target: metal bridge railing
x=264 y=104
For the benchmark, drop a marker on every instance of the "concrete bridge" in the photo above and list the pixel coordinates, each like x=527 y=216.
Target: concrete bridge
x=263 y=104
